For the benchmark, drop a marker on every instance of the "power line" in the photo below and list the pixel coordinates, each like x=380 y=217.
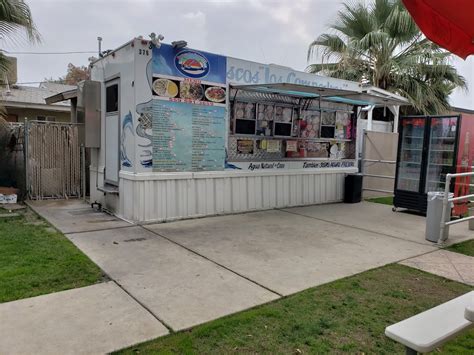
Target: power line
x=35 y=82
x=50 y=53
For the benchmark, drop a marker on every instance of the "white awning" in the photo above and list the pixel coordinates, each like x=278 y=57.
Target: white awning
x=62 y=96
x=366 y=96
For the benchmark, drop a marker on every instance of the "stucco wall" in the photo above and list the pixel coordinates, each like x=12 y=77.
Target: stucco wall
x=32 y=114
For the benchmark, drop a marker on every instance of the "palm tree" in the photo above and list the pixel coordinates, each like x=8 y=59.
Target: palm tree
x=15 y=20
x=380 y=44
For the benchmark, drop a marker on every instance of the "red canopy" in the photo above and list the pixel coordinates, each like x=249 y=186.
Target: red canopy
x=449 y=23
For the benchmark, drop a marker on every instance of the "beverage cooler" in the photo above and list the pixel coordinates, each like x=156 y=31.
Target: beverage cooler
x=428 y=149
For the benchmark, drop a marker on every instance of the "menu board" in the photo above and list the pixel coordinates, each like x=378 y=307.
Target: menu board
x=189 y=110
x=187 y=137
x=171 y=136
x=208 y=132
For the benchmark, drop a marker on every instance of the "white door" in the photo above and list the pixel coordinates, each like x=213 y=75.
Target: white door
x=112 y=131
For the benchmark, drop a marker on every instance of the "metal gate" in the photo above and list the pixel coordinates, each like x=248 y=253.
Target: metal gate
x=379 y=157
x=53 y=160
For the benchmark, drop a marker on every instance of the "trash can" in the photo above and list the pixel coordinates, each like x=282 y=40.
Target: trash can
x=353 y=188
x=433 y=216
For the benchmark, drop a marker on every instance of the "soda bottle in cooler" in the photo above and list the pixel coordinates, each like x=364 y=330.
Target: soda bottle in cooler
x=462 y=183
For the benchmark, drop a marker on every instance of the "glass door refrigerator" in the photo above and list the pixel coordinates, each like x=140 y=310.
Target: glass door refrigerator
x=427 y=151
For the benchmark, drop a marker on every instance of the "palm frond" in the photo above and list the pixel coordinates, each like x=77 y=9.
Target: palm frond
x=400 y=26
x=330 y=44
x=15 y=17
x=354 y=21
x=381 y=42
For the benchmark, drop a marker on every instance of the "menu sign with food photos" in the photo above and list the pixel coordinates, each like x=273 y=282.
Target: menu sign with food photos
x=189 y=93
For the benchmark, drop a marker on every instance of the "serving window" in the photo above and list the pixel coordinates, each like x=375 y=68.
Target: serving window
x=274 y=127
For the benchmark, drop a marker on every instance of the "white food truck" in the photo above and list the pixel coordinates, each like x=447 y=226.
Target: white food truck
x=179 y=133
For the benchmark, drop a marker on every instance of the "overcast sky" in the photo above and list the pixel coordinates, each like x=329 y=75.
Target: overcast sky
x=267 y=31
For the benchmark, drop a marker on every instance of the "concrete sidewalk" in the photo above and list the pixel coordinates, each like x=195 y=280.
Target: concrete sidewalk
x=181 y=288
x=71 y=216
x=90 y=320
x=286 y=252
x=189 y=272
x=378 y=218
x=445 y=263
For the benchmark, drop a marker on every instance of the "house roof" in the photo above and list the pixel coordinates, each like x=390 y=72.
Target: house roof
x=56 y=87
x=34 y=97
x=461 y=110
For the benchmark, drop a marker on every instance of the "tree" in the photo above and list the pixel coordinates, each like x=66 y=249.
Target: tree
x=380 y=44
x=76 y=74
x=15 y=19
x=73 y=76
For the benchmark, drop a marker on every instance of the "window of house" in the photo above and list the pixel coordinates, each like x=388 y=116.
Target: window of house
x=12 y=118
x=111 y=98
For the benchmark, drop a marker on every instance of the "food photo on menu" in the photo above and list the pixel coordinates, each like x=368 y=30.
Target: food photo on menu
x=188 y=90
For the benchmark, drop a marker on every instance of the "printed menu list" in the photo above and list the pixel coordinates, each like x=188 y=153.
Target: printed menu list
x=208 y=151
x=171 y=137
x=188 y=137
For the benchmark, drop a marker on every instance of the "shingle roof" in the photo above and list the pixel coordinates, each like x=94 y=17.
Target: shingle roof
x=33 y=95
x=56 y=87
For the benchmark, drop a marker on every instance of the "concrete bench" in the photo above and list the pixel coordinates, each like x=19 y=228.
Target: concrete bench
x=469 y=312
x=428 y=330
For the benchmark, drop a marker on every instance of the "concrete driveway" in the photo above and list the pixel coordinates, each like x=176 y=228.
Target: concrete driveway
x=286 y=252
x=189 y=272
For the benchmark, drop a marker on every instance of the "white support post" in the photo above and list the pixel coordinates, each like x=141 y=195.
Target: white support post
x=396 y=115
x=445 y=209
x=369 y=117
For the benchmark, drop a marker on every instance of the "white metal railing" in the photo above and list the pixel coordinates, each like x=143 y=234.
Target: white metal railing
x=447 y=200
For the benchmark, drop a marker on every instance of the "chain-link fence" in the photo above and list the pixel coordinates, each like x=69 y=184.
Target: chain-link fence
x=54 y=163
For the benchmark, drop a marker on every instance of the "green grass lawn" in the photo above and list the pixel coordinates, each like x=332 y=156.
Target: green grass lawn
x=385 y=200
x=345 y=316
x=466 y=247
x=36 y=259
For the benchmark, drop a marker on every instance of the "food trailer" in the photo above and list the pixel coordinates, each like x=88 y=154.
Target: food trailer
x=180 y=133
